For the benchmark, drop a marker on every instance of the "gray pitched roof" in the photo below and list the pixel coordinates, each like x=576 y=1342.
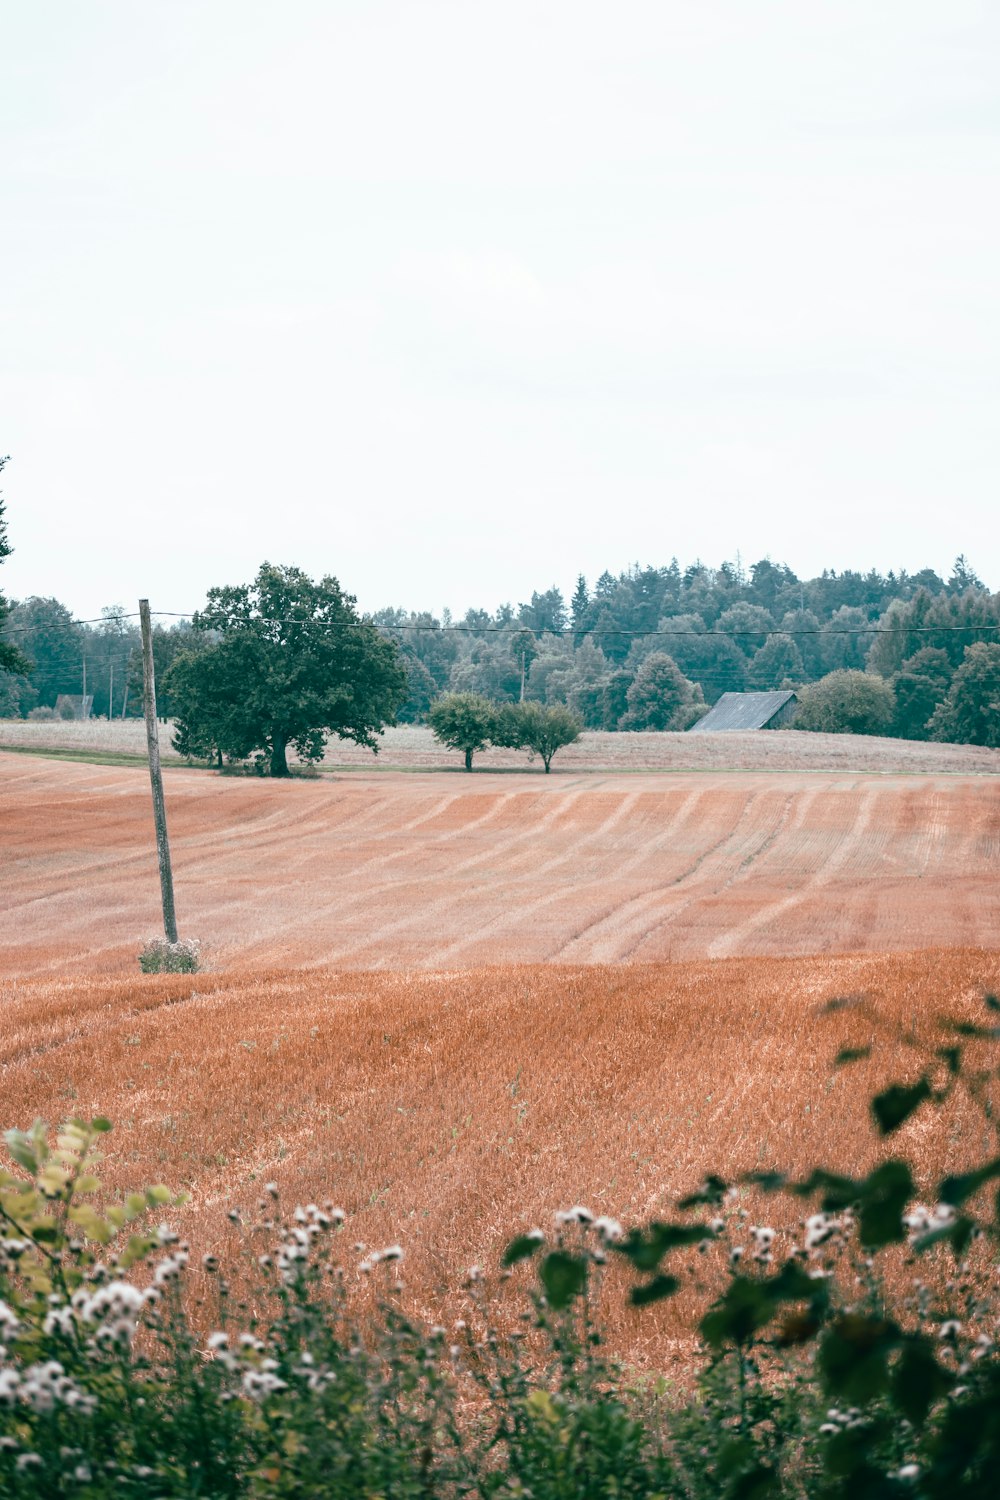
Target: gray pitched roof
x=743 y=711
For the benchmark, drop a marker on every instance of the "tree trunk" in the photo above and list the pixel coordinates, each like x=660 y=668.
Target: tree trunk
x=279 y=765
x=218 y=759
x=547 y=759
x=468 y=760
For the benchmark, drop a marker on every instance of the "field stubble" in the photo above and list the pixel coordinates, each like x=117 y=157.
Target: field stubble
x=448 y=1111
x=426 y=871
x=412 y=747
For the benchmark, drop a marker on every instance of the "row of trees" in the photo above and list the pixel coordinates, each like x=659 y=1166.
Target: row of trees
x=921 y=662
x=469 y=723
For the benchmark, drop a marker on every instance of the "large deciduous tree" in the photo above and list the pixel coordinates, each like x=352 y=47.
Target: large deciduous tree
x=291 y=663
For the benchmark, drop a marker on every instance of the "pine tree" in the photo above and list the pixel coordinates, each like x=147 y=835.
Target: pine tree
x=11 y=659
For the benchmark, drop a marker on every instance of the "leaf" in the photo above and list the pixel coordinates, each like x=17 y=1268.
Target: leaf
x=883 y=1197
x=897 y=1103
x=20 y=1148
x=853 y=1356
x=957 y=1188
x=969 y=1029
x=759 y=1483
x=738 y=1314
x=654 y=1291
x=521 y=1248
x=563 y=1276
x=838 y=1191
x=646 y=1248
x=768 y=1182
x=712 y=1191
x=851 y=1055
x=794 y=1284
x=953 y=1057
x=918 y=1381
x=957 y=1235
x=91 y=1222
x=101 y=1125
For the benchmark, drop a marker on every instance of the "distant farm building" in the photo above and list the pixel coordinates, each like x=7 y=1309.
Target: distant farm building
x=748 y=711
x=74 y=706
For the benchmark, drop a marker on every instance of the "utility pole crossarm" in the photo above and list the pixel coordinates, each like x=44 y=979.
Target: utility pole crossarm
x=156 y=776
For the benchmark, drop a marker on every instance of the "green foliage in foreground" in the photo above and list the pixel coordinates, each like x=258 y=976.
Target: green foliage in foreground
x=126 y=1371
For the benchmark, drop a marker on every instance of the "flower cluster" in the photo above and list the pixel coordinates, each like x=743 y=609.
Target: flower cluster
x=43 y=1387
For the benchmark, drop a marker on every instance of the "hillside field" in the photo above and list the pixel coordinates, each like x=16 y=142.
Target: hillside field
x=404 y=870
x=449 y=1110
x=458 y=1003
x=412 y=747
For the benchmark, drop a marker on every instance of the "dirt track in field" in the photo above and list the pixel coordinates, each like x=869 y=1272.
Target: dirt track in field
x=449 y=1111
x=396 y=870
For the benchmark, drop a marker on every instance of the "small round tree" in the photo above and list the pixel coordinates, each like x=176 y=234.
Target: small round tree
x=847 y=703
x=463 y=721
x=539 y=728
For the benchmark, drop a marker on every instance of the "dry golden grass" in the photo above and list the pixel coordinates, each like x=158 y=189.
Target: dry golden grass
x=426 y=871
x=449 y=1110
x=412 y=747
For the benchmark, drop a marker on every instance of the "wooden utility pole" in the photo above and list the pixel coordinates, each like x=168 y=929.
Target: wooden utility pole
x=111 y=690
x=156 y=776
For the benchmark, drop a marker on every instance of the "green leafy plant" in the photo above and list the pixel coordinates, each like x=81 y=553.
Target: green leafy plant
x=158 y=956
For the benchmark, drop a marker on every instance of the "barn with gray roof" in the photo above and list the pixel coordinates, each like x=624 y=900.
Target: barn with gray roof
x=748 y=711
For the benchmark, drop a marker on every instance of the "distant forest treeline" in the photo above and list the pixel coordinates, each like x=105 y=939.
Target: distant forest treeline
x=931 y=643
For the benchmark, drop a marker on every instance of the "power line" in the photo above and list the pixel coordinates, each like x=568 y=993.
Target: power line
x=584 y=634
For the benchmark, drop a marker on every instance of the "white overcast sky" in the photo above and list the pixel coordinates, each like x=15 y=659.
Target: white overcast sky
x=454 y=300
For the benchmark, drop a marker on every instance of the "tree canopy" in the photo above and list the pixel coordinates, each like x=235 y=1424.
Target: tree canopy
x=463 y=721
x=847 y=703
x=970 y=714
x=11 y=659
x=661 y=697
x=290 y=663
x=539 y=728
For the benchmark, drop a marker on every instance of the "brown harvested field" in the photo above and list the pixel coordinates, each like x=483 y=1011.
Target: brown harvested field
x=411 y=747
x=413 y=870
x=448 y=1110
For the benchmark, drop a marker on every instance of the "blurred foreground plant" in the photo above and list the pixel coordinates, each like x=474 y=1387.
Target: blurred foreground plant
x=813 y=1380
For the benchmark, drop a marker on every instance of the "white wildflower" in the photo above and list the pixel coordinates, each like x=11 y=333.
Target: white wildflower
x=259 y=1384
x=609 y=1229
